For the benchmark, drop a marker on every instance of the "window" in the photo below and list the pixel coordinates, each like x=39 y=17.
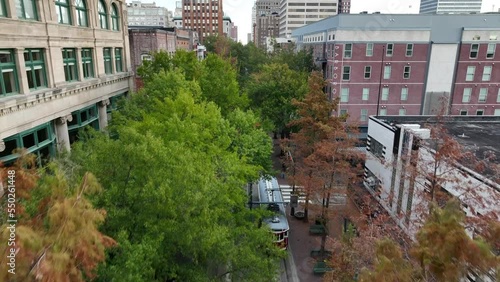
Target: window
x=347 y=51
x=390 y=49
x=118 y=60
x=70 y=65
x=8 y=77
x=376 y=148
x=385 y=93
x=344 y=95
x=409 y=50
x=368 y=71
x=497 y=112
x=366 y=94
x=364 y=115
x=108 y=64
x=402 y=112
x=463 y=112
x=3 y=9
x=62 y=10
x=498 y=96
x=35 y=68
x=404 y=93
x=343 y=112
x=26 y=9
x=387 y=72
x=383 y=112
x=115 y=18
x=466 y=95
x=87 y=63
x=490 y=53
x=346 y=73
x=369 y=49
x=479 y=112
x=81 y=13
x=483 y=95
x=487 y=73
x=474 y=48
x=470 y=73
x=146 y=57
x=103 y=16
x=406 y=72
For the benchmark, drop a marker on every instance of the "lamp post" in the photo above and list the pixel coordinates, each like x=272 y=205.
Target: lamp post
x=380 y=79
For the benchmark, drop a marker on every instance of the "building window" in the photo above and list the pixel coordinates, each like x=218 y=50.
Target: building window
x=3 y=9
x=103 y=15
x=368 y=72
x=62 y=10
x=347 y=51
x=346 y=73
x=497 y=112
x=479 y=112
x=463 y=112
x=487 y=73
x=404 y=93
x=115 y=18
x=409 y=50
x=118 y=60
x=406 y=72
x=383 y=112
x=87 y=63
x=344 y=95
x=474 y=48
x=402 y=112
x=385 y=93
x=8 y=77
x=366 y=94
x=466 y=95
x=26 y=9
x=70 y=64
x=364 y=115
x=390 y=49
x=81 y=13
x=376 y=148
x=35 y=68
x=108 y=64
x=498 y=96
x=387 y=72
x=343 y=112
x=146 y=57
x=84 y=117
x=490 y=53
x=483 y=95
x=470 y=73
x=369 y=49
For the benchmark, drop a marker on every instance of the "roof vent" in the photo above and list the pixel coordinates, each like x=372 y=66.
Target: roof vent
x=463 y=135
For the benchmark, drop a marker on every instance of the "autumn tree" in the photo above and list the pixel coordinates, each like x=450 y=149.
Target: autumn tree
x=56 y=233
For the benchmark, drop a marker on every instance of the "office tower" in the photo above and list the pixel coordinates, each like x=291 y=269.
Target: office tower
x=450 y=6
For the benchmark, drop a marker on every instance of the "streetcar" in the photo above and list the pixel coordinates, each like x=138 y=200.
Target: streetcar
x=270 y=196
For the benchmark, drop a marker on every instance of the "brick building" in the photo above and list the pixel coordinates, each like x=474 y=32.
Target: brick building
x=204 y=17
x=63 y=67
x=408 y=64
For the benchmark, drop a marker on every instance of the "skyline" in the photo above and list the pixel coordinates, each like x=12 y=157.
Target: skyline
x=240 y=11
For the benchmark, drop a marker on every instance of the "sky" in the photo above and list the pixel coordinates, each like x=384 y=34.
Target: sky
x=240 y=11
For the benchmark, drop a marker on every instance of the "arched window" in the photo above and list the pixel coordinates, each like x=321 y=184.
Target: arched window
x=81 y=13
x=103 y=15
x=115 y=18
x=62 y=10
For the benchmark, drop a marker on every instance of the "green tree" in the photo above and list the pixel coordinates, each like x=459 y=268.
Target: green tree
x=182 y=60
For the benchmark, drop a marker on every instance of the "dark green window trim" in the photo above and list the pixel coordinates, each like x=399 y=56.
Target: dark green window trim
x=26 y=9
x=8 y=73
x=88 y=116
x=63 y=12
x=114 y=102
x=118 y=60
x=35 y=68
x=87 y=63
x=103 y=14
x=70 y=64
x=115 y=18
x=108 y=63
x=81 y=13
x=3 y=9
x=40 y=141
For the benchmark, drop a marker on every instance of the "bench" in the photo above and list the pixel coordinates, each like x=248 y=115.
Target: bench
x=317 y=229
x=315 y=253
x=321 y=268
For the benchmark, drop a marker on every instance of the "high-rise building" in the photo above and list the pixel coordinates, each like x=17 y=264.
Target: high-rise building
x=204 y=17
x=62 y=67
x=266 y=21
x=296 y=13
x=148 y=14
x=450 y=6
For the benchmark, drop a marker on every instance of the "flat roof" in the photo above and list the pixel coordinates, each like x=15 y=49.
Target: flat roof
x=445 y=28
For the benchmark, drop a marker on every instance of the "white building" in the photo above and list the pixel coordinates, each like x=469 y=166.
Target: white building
x=450 y=6
x=397 y=143
x=148 y=14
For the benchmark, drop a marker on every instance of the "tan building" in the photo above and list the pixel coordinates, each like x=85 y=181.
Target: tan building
x=204 y=17
x=63 y=65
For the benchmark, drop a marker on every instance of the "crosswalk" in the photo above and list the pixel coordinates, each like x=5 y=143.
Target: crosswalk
x=336 y=199
x=286 y=192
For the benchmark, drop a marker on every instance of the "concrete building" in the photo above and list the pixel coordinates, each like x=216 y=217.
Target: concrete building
x=63 y=67
x=267 y=21
x=177 y=22
x=379 y=64
x=297 y=13
x=450 y=6
x=148 y=14
x=204 y=17
x=234 y=33
x=400 y=166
